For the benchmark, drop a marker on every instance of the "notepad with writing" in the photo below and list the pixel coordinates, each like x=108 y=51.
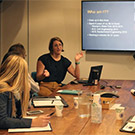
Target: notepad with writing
x=32 y=129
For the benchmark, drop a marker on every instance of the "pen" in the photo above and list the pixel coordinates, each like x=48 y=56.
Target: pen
x=51 y=113
x=52 y=101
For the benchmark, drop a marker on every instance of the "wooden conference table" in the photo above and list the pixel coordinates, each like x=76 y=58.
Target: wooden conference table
x=72 y=124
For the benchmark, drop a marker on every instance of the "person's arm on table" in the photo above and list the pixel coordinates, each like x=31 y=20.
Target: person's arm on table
x=9 y=122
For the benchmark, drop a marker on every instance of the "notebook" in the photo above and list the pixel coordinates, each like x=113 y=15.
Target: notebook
x=48 y=101
x=70 y=92
x=32 y=129
x=95 y=73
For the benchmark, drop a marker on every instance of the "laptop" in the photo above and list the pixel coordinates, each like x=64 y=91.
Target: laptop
x=95 y=73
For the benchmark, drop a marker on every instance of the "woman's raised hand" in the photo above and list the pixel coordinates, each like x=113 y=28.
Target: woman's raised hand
x=78 y=56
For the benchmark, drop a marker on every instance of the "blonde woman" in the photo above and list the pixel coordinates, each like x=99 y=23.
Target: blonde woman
x=14 y=95
x=19 y=49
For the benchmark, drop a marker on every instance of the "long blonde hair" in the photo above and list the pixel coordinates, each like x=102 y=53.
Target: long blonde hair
x=14 y=79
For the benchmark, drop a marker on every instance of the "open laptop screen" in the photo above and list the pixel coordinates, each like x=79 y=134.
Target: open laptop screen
x=95 y=74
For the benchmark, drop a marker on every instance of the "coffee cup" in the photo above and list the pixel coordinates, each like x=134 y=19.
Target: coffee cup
x=119 y=113
x=59 y=109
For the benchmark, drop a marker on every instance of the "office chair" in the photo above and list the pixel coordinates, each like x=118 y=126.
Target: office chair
x=33 y=75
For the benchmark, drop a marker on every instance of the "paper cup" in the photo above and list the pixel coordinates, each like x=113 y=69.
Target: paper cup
x=119 y=113
x=59 y=109
x=76 y=102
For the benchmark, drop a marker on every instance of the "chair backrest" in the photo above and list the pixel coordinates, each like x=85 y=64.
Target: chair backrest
x=33 y=75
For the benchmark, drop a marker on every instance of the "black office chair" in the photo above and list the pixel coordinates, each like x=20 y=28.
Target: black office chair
x=33 y=75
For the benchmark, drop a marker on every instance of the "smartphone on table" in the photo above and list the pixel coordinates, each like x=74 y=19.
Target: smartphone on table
x=35 y=112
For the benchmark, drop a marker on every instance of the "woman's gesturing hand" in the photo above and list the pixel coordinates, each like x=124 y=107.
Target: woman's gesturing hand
x=46 y=73
x=78 y=56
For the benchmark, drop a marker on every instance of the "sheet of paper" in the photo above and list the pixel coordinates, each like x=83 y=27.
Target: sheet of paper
x=32 y=129
x=58 y=97
x=133 y=119
x=115 y=106
x=47 y=103
x=129 y=126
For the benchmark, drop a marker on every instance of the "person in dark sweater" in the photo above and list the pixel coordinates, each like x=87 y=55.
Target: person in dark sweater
x=52 y=67
x=14 y=95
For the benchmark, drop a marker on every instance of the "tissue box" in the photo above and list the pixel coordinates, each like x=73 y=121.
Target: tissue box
x=107 y=102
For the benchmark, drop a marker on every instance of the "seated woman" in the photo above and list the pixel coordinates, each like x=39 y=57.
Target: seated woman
x=14 y=95
x=52 y=67
x=19 y=49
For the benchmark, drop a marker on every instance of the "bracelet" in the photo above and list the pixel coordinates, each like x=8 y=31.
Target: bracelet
x=77 y=63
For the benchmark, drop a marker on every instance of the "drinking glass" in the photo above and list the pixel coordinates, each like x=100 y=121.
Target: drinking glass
x=84 y=103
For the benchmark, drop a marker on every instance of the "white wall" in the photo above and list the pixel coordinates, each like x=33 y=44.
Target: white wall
x=62 y=18
x=49 y=18
x=54 y=18
x=13 y=24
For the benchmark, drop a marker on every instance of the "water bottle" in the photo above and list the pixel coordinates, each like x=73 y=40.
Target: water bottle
x=96 y=109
